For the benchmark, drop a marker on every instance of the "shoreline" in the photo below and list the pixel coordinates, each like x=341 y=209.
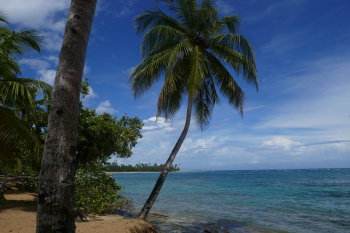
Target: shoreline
x=19 y=215
x=154 y=172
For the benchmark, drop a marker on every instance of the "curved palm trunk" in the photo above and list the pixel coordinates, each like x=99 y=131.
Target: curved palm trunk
x=59 y=163
x=154 y=194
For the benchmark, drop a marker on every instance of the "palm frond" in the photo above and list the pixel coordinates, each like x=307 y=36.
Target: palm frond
x=148 y=72
x=204 y=103
x=20 y=91
x=17 y=136
x=171 y=95
x=159 y=34
x=228 y=86
x=231 y=23
x=156 y=17
x=242 y=64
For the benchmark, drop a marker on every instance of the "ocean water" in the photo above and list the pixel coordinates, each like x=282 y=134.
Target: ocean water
x=308 y=200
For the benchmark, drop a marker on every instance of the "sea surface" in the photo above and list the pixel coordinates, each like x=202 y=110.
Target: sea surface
x=307 y=200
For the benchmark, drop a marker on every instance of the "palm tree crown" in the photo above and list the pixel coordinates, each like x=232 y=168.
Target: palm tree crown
x=191 y=50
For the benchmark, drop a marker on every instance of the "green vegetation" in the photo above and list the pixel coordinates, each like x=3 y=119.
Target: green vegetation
x=192 y=48
x=96 y=192
x=18 y=103
x=140 y=167
x=99 y=138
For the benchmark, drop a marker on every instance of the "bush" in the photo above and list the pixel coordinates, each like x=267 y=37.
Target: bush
x=96 y=192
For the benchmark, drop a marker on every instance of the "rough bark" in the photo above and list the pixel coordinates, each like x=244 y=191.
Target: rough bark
x=159 y=184
x=59 y=163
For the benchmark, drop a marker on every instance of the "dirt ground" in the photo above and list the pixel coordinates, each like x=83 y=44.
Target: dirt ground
x=20 y=217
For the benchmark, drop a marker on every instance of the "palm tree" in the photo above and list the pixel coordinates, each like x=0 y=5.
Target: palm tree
x=14 y=45
x=18 y=92
x=59 y=162
x=192 y=50
x=17 y=105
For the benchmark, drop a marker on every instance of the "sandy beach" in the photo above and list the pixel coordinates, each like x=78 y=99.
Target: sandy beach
x=20 y=217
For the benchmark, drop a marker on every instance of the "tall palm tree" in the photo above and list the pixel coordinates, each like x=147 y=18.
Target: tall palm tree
x=59 y=162
x=18 y=92
x=192 y=50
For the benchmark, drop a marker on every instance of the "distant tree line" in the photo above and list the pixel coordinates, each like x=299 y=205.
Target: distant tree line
x=140 y=167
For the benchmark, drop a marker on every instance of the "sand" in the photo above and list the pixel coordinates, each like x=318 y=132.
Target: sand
x=20 y=217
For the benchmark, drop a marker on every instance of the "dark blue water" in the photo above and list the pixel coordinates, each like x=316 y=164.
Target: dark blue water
x=314 y=200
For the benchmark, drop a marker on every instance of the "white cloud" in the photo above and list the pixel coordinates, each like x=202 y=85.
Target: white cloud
x=36 y=64
x=105 y=106
x=280 y=142
x=53 y=59
x=153 y=123
x=88 y=99
x=42 y=67
x=253 y=108
x=191 y=146
x=48 y=76
x=37 y=13
x=53 y=40
x=86 y=69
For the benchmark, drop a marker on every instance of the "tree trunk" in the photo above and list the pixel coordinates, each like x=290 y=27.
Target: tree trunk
x=154 y=194
x=59 y=163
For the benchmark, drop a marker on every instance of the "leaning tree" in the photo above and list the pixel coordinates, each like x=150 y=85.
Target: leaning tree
x=191 y=49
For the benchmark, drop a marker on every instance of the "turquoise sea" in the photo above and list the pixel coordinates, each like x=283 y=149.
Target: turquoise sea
x=308 y=200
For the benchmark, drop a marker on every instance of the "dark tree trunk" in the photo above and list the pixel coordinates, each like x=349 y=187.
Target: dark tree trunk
x=159 y=184
x=59 y=163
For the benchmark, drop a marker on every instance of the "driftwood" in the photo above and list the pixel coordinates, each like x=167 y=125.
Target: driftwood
x=3 y=186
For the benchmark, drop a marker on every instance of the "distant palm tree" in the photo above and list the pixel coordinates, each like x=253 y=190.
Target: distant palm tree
x=191 y=50
x=18 y=93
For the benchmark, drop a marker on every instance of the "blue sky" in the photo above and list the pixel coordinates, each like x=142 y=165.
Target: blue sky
x=300 y=118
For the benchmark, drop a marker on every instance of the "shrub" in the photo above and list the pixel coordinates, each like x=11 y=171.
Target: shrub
x=96 y=192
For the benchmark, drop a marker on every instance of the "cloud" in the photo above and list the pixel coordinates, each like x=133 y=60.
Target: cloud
x=86 y=69
x=53 y=59
x=153 y=123
x=42 y=67
x=42 y=14
x=253 y=108
x=224 y=7
x=199 y=145
x=126 y=8
x=53 y=40
x=105 y=106
x=36 y=64
x=48 y=76
x=280 y=142
x=88 y=99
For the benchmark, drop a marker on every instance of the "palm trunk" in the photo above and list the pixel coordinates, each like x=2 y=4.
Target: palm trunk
x=154 y=194
x=59 y=163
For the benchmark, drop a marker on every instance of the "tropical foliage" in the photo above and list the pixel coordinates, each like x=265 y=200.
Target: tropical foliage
x=192 y=50
x=99 y=138
x=18 y=95
x=96 y=192
x=140 y=167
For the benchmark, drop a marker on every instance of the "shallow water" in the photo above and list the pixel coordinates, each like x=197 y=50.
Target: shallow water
x=309 y=200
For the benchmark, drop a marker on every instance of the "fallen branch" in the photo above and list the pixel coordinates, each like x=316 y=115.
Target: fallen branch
x=2 y=185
